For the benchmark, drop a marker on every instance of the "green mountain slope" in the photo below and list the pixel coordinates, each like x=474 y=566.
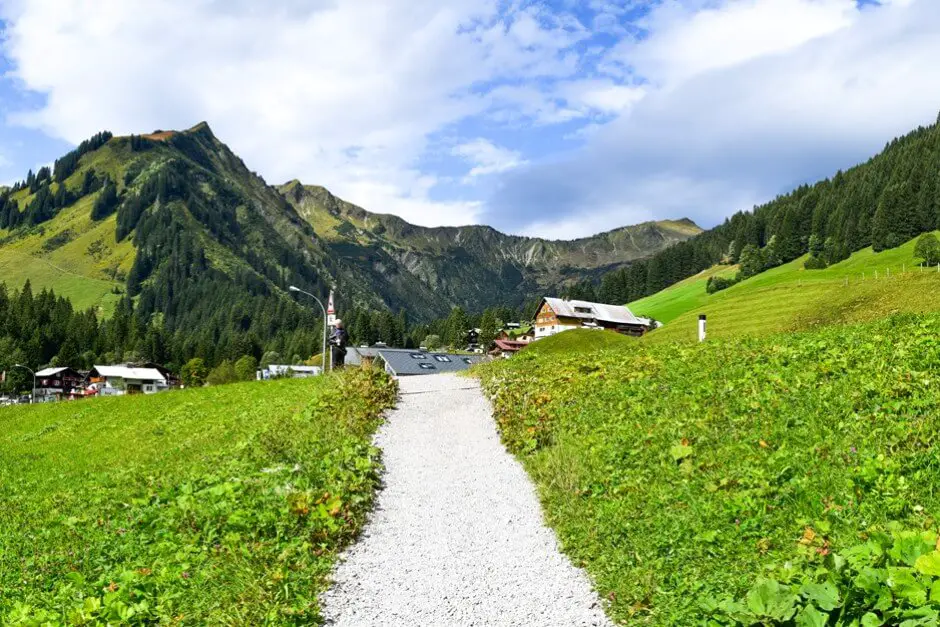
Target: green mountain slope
x=178 y=211
x=866 y=286
x=882 y=203
x=470 y=266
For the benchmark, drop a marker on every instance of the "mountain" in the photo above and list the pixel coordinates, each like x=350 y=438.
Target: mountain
x=191 y=253
x=471 y=266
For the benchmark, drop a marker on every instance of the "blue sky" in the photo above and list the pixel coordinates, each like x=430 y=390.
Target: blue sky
x=559 y=118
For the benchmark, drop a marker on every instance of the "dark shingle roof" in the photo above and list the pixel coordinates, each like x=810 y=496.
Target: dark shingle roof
x=415 y=362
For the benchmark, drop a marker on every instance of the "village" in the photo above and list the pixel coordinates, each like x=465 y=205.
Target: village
x=554 y=315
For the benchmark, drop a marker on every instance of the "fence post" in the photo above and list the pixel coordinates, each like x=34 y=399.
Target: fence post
x=701 y=327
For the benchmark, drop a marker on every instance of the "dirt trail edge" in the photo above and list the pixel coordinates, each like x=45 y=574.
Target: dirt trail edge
x=457 y=536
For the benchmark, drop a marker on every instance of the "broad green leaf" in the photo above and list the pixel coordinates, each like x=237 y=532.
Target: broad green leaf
x=809 y=616
x=905 y=586
x=908 y=547
x=824 y=595
x=768 y=599
x=929 y=564
x=871 y=620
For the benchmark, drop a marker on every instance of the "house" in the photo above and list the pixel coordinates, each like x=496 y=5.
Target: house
x=515 y=332
x=55 y=384
x=296 y=372
x=556 y=315
x=507 y=348
x=120 y=380
x=408 y=362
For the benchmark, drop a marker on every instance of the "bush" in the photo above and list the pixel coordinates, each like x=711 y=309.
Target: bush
x=194 y=372
x=815 y=263
x=892 y=578
x=927 y=249
x=718 y=283
x=246 y=368
x=222 y=374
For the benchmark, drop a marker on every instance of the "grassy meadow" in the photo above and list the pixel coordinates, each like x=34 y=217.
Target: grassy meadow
x=867 y=286
x=223 y=505
x=785 y=480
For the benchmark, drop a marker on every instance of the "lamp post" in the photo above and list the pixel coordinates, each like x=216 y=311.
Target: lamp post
x=323 y=356
x=32 y=397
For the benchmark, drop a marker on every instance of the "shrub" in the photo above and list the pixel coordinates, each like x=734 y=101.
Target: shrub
x=222 y=374
x=194 y=372
x=718 y=283
x=246 y=368
x=927 y=249
x=815 y=263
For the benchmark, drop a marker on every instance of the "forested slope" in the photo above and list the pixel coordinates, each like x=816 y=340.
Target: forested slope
x=882 y=203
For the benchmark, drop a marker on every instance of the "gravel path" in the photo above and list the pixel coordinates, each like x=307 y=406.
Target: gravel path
x=457 y=536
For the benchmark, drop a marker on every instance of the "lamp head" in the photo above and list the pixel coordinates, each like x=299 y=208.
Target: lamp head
x=293 y=288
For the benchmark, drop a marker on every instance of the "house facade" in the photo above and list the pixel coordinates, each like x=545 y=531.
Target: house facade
x=556 y=315
x=121 y=380
x=56 y=384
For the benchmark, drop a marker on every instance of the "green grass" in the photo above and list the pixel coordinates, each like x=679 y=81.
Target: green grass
x=86 y=267
x=579 y=340
x=222 y=505
x=790 y=298
x=667 y=305
x=679 y=474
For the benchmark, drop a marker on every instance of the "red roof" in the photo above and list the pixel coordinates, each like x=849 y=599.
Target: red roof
x=510 y=346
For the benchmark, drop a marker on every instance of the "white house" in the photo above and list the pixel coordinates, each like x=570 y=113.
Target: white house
x=120 y=380
x=556 y=315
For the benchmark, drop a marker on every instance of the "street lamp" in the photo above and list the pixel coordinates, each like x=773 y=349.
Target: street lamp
x=323 y=355
x=32 y=397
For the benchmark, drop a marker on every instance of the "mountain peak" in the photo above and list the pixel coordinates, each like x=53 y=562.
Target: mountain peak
x=201 y=128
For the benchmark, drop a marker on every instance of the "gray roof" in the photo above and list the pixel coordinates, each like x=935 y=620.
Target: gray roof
x=616 y=314
x=403 y=362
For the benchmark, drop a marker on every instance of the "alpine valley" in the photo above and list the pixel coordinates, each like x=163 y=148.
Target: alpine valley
x=174 y=229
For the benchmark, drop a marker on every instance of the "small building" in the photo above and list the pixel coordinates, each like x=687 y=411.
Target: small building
x=507 y=348
x=275 y=371
x=408 y=362
x=121 y=380
x=556 y=315
x=56 y=384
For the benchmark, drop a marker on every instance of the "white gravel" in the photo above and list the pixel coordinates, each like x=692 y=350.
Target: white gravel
x=457 y=536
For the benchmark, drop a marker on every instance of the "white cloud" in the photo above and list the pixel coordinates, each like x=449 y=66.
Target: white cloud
x=487 y=158
x=733 y=118
x=339 y=93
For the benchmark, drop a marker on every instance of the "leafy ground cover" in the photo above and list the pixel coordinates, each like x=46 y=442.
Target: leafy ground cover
x=865 y=287
x=222 y=505
x=741 y=481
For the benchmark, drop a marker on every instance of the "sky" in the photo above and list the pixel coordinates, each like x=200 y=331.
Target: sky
x=557 y=118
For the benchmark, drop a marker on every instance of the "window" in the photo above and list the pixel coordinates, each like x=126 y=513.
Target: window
x=427 y=366
x=444 y=359
x=584 y=310
x=418 y=356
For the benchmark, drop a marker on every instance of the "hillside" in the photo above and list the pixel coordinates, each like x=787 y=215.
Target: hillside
x=203 y=250
x=882 y=203
x=142 y=510
x=786 y=480
x=866 y=286
x=472 y=266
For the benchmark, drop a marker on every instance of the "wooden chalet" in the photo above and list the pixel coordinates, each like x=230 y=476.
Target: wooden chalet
x=556 y=315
